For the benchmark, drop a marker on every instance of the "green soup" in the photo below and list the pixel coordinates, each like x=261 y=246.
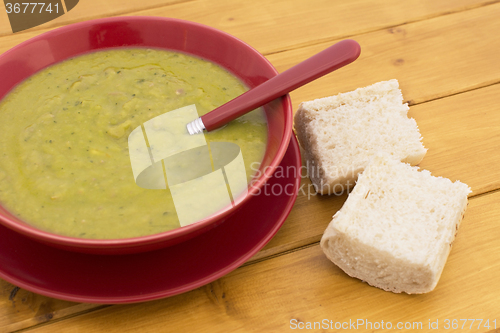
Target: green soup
x=65 y=164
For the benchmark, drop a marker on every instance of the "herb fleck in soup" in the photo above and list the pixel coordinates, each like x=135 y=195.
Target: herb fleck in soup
x=65 y=164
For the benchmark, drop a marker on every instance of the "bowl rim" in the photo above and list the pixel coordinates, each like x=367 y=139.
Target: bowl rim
x=139 y=241
x=271 y=228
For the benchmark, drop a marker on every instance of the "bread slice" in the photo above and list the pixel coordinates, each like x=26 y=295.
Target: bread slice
x=396 y=228
x=340 y=134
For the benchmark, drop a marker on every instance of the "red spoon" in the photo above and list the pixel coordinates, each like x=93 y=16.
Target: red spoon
x=328 y=60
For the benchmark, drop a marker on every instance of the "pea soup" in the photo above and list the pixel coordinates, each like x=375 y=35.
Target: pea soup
x=64 y=157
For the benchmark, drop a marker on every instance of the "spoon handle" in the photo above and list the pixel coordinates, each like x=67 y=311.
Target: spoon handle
x=328 y=60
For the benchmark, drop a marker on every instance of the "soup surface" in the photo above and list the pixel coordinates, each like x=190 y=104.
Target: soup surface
x=64 y=157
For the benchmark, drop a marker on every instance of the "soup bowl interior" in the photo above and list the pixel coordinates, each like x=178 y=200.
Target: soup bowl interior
x=223 y=49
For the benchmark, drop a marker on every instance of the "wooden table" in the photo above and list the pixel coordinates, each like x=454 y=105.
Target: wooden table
x=445 y=55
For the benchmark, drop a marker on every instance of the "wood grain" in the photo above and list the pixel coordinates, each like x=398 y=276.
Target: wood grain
x=462 y=135
x=20 y=308
x=88 y=9
x=444 y=54
x=434 y=58
x=269 y=26
x=274 y=26
x=306 y=287
x=446 y=129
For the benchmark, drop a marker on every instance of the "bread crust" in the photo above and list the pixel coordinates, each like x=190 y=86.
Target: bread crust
x=399 y=262
x=323 y=156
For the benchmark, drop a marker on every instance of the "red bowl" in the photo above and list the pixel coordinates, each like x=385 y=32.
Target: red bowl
x=231 y=53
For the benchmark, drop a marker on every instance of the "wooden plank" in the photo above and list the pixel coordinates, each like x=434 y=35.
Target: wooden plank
x=88 y=9
x=269 y=26
x=305 y=224
x=425 y=54
x=444 y=51
x=451 y=136
x=462 y=138
x=461 y=133
x=431 y=59
x=304 y=286
x=20 y=308
x=273 y=26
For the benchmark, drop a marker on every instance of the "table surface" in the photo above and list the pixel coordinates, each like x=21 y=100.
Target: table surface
x=445 y=56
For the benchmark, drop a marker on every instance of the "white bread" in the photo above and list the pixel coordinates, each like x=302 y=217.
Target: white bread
x=340 y=134
x=396 y=228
